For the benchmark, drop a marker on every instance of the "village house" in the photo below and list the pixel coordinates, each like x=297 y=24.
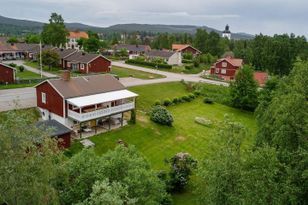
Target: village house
x=56 y=130
x=185 y=48
x=88 y=104
x=87 y=63
x=226 y=68
x=133 y=50
x=64 y=53
x=73 y=37
x=7 y=74
x=170 y=57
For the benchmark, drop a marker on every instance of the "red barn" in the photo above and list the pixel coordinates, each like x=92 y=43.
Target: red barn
x=226 y=68
x=7 y=74
x=87 y=63
x=185 y=48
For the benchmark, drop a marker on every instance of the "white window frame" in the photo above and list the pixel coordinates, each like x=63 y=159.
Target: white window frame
x=43 y=97
x=81 y=66
x=217 y=70
x=224 y=64
x=223 y=71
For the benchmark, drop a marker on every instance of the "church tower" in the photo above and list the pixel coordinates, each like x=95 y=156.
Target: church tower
x=226 y=33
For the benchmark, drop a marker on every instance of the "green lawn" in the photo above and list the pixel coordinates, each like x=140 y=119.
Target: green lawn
x=126 y=72
x=53 y=70
x=158 y=142
x=13 y=86
x=27 y=75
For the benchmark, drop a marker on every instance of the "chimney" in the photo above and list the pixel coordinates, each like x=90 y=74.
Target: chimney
x=66 y=75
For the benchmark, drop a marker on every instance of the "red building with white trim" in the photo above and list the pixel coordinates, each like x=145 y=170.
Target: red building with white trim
x=185 y=48
x=226 y=68
x=7 y=74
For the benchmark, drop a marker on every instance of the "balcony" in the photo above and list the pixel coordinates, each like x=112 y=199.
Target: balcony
x=99 y=113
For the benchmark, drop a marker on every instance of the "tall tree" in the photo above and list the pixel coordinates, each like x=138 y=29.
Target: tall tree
x=33 y=38
x=91 y=45
x=243 y=91
x=55 y=32
x=50 y=58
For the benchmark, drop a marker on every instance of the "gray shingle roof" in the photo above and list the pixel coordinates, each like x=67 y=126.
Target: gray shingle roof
x=133 y=48
x=81 y=57
x=160 y=53
x=64 y=52
x=54 y=127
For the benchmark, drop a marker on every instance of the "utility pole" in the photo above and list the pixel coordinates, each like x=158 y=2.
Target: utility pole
x=41 y=67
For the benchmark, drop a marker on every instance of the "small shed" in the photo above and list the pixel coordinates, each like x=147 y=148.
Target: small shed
x=7 y=74
x=61 y=132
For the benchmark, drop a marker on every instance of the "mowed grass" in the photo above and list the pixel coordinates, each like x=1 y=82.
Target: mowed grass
x=27 y=75
x=126 y=72
x=53 y=70
x=157 y=143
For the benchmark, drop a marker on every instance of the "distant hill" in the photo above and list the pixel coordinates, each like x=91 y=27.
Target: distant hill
x=12 y=26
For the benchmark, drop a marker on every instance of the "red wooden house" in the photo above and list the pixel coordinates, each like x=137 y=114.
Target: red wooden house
x=83 y=103
x=226 y=68
x=87 y=63
x=7 y=74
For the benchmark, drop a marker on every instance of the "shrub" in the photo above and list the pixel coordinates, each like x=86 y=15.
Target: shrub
x=196 y=62
x=157 y=102
x=167 y=102
x=191 y=96
x=208 y=100
x=161 y=116
x=186 y=98
x=21 y=68
x=197 y=92
x=187 y=56
x=133 y=117
x=203 y=121
x=189 y=67
x=186 y=61
x=12 y=65
x=175 y=100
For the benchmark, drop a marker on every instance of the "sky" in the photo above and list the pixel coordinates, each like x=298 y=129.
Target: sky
x=254 y=17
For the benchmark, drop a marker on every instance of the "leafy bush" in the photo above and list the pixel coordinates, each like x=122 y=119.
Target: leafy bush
x=197 y=92
x=187 y=56
x=21 y=68
x=186 y=98
x=189 y=67
x=167 y=102
x=208 y=100
x=186 y=61
x=12 y=65
x=191 y=96
x=196 y=62
x=157 y=102
x=203 y=121
x=146 y=63
x=175 y=100
x=161 y=116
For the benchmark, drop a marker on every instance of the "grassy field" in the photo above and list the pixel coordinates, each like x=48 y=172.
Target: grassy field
x=27 y=75
x=53 y=70
x=126 y=72
x=158 y=143
x=13 y=86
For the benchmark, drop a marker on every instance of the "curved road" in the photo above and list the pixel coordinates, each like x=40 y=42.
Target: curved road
x=26 y=97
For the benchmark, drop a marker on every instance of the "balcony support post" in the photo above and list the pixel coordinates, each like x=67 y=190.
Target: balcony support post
x=80 y=130
x=122 y=119
x=95 y=126
x=109 y=124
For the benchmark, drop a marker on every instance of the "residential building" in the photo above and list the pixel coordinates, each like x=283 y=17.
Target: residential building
x=7 y=74
x=133 y=50
x=73 y=37
x=226 y=68
x=170 y=57
x=226 y=33
x=87 y=63
x=64 y=53
x=54 y=129
x=261 y=77
x=185 y=48
x=85 y=103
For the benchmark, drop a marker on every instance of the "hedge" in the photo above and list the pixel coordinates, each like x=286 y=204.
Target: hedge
x=186 y=61
x=146 y=63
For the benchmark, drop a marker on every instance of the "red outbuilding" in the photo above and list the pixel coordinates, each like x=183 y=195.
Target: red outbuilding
x=7 y=74
x=226 y=68
x=185 y=48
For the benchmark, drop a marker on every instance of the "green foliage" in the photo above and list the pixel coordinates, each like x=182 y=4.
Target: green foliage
x=133 y=117
x=150 y=64
x=186 y=98
x=91 y=45
x=176 y=100
x=29 y=160
x=181 y=168
x=50 y=58
x=13 y=65
x=187 y=56
x=33 y=38
x=157 y=102
x=189 y=67
x=209 y=42
x=243 y=90
x=21 y=68
x=167 y=102
x=54 y=33
x=219 y=94
x=12 y=40
x=161 y=116
x=208 y=100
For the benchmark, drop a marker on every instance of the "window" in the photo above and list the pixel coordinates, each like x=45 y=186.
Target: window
x=224 y=64
x=44 y=98
x=217 y=70
x=81 y=66
x=223 y=71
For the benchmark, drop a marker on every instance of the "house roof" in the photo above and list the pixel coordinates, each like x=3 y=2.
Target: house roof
x=180 y=47
x=133 y=48
x=160 y=53
x=54 y=127
x=234 y=61
x=261 y=77
x=85 y=85
x=83 y=57
x=64 y=52
x=101 y=98
x=7 y=66
x=78 y=34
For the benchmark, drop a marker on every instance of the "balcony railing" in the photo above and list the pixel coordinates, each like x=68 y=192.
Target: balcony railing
x=81 y=117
